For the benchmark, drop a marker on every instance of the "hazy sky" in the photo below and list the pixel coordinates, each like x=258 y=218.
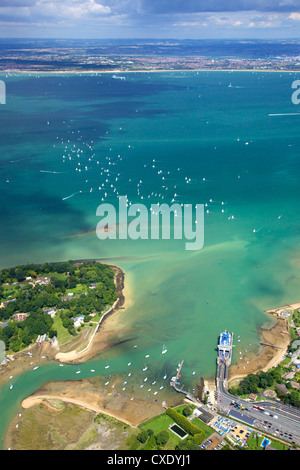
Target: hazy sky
x=150 y=18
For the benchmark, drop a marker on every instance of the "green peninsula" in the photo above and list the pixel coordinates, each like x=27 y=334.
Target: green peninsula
x=51 y=300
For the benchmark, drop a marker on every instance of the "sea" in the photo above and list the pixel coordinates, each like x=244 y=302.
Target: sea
x=227 y=140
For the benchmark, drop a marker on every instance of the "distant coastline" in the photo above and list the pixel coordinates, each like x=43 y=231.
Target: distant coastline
x=88 y=72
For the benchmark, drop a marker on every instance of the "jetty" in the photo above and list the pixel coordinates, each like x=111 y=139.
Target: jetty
x=178 y=387
x=271 y=345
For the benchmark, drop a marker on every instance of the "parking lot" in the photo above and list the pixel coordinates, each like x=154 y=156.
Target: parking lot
x=233 y=431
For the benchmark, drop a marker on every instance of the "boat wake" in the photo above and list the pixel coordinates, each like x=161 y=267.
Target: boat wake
x=71 y=195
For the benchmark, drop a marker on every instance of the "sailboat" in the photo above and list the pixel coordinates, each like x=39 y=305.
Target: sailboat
x=164 y=349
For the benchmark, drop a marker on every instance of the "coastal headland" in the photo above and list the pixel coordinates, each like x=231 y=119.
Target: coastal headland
x=105 y=337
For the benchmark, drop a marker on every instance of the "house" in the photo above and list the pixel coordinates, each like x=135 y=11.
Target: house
x=282 y=388
x=93 y=285
x=43 y=280
x=68 y=297
x=20 y=316
x=50 y=311
x=78 y=321
x=252 y=396
x=6 y=302
x=268 y=393
x=284 y=313
x=295 y=385
x=289 y=375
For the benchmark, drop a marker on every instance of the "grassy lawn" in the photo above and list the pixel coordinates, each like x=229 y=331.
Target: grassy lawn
x=57 y=275
x=63 y=336
x=206 y=429
x=9 y=291
x=79 y=289
x=157 y=424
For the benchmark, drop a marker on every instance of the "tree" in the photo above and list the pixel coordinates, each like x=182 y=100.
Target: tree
x=142 y=436
x=162 y=438
x=187 y=411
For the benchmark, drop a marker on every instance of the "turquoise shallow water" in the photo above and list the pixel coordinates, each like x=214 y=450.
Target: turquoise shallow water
x=157 y=137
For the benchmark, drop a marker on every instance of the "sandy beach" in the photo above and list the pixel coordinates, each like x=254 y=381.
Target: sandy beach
x=132 y=408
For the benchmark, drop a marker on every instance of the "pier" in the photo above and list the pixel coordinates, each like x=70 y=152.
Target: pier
x=178 y=387
x=223 y=363
x=271 y=345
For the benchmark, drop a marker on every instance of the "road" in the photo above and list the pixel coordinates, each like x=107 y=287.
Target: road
x=281 y=421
